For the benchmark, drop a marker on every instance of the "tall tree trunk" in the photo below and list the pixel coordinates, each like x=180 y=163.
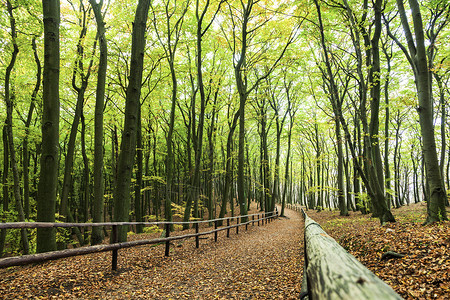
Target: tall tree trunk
x=198 y=134
x=228 y=168
x=138 y=182
x=78 y=70
x=376 y=163
x=9 y=129
x=26 y=156
x=418 y=59
x=98 y=207
x=336 y=103
x=132 y=102
x=211 y=143
x=5 y=190
x=86 y=191
x=286 y=172
x=169 y=43
x=48 y=180
x=387 y=176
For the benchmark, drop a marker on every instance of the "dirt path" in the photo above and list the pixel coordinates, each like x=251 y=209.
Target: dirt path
x=262 y=263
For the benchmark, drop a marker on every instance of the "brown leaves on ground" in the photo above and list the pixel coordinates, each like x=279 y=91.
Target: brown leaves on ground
x=424 y=272
x=263 y=262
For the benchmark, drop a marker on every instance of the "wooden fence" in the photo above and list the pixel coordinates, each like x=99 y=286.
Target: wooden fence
x=114 y=246
x=330 y=272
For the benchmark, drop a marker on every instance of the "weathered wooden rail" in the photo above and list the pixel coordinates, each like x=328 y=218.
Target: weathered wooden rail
x=115 y=246
x=330 y=272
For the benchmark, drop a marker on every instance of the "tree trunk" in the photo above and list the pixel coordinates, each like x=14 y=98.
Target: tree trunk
x=9 y=129
x=5 y=190
x=26 y=155
x=48 y=180
x=86 y=191
x=138 y=182
x=436 y=195
x=228 y=168
x=128 y=143
x=98 y=207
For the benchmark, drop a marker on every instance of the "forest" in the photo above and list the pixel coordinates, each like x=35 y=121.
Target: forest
x=160 y=110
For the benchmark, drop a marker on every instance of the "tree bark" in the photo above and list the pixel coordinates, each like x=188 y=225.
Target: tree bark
x=436 y=195
x=128 y=143
x=98 y=207
x=48 y=180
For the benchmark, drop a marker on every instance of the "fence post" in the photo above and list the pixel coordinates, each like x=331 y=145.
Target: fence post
x=215 y=232
x=253 y=220
x=228 y=227
x=115 y=239
x=167 y=242
x=197 y=244
x=237 y=223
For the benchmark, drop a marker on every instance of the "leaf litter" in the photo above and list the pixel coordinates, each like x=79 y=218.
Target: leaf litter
x=264 y=262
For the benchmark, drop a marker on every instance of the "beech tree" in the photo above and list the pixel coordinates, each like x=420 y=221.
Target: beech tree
x=48 y=179
x=128 y=143
x=97 y=233
x=416 y=55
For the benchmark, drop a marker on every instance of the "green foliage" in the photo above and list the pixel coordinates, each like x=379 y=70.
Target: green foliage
x=13 y=244
x=152 y=229
x=363 y=202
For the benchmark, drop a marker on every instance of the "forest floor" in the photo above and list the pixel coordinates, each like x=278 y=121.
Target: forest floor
x=424 y=271
x=264 y=262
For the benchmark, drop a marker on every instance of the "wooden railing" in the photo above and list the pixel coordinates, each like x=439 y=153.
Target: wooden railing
x=330 y=272
x=296 y=207
x=115 y=245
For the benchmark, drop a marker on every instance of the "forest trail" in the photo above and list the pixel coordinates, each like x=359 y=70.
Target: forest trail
x=263 y=262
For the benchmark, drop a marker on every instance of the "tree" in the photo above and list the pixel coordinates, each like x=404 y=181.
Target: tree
x=128 y=142
x=48 y=180
x=243 y=60
x=97 y=233
x=336 y=102
x=198 y=133
x=416 y=55
x=169 y=44
x=80 y=90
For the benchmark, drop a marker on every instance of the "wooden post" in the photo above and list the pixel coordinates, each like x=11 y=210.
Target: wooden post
x=228 y=229
x=215 y=232
x=237 y=223
x=167 y=242
x=347 y=279
x=197 y=243
x=115 y=239
x=253 y=220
